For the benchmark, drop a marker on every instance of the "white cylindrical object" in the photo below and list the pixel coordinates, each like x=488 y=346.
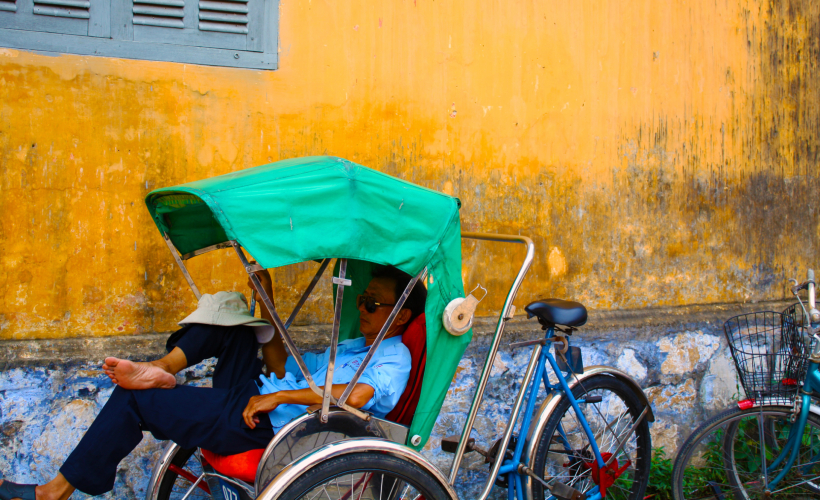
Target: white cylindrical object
x=457 y=321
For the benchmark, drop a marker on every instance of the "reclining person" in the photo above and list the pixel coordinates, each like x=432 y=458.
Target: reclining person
x=230 y=418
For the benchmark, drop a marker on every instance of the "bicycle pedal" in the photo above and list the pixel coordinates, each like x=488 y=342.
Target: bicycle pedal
x=593 y=399
x=563 y=492
x=450 y=444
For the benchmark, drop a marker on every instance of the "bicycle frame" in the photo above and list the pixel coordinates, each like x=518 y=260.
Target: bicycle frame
x=538 y=371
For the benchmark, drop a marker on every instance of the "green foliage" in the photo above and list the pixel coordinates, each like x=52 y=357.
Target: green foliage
x=660 y=476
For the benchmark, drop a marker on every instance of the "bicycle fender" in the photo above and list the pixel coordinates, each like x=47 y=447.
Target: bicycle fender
x=548 y=406
x=291 y=472
x=160 y=468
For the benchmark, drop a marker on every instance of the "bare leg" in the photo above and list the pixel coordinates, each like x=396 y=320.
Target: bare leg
x=157 y=374
x=56 y=489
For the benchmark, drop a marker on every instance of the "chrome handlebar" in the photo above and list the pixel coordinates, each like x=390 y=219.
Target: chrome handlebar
x=814 y=314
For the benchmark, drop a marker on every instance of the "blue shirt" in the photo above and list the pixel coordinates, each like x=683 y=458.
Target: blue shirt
x=387 y=373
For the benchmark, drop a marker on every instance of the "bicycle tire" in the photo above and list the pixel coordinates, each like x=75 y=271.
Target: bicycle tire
x=721 y=458
x=366 y=476
x=574 y=469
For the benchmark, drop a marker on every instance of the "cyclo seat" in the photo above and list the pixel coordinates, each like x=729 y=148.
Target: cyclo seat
x=244 y=465
x=552 y=312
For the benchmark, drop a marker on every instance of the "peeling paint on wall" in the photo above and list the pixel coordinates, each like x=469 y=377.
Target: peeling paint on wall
x=658 y=153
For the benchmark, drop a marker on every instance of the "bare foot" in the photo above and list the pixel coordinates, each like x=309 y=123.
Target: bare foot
x=137 y=375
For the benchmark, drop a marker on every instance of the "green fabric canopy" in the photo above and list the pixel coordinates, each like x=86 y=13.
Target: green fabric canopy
x=312 y=208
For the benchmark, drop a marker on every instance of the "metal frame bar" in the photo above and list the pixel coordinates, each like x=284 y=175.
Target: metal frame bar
x=181 y=265
x=218 y=246
x=308 y=291
x=499 y=330
x=341 y=284
x=387 y=324
x=277 y=321
x=535 y=362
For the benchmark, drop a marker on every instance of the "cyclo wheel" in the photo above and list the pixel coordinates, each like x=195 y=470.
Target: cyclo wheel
x=172 y=485
x=724 y=457
x=365 y=476
x=564 y=453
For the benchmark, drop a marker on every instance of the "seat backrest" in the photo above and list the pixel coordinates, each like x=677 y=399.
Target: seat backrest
x=415 y=339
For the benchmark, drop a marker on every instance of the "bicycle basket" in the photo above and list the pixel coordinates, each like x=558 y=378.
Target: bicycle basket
x=769 y=354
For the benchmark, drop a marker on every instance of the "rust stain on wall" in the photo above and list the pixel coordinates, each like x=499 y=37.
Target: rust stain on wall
x=658 y=153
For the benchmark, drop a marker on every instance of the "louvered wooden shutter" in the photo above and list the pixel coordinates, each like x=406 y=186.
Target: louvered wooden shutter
x=224 y=16
x=160 y=13
x=72 y=9
x=70 y=17
x=236 y=33
x=219 y=24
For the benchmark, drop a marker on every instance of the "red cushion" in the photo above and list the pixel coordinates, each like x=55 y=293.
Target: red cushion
x=415 y=338
x=241 y=466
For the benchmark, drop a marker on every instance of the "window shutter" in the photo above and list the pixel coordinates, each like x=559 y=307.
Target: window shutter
x=219 y=24
x=231 y=33
x=52 y=16
x=160 y=13
x=74 y=9
x=223 y=16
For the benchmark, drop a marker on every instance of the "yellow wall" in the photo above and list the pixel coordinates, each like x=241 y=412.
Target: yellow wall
x=658 y=152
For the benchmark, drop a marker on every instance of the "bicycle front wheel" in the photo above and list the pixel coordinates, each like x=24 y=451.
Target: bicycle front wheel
x=365 y=476
x=565 y=453
x=734 y=456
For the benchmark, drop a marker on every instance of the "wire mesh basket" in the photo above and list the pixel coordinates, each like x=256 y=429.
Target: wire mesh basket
x=769 y=352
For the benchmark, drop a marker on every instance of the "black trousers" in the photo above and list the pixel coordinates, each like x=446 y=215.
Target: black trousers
x=192 y=417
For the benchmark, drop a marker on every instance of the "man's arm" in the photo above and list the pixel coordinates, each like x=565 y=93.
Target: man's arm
x=359 y=397
x=274 y=353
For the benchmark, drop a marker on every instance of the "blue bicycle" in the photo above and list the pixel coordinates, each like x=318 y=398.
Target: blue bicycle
x=590 y=436
x=768 y=445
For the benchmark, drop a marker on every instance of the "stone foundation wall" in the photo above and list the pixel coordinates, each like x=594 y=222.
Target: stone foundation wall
x=50 y=391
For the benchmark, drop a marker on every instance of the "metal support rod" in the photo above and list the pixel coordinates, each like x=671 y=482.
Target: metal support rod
x=387 y=324
x=621 y=444
x=342 y=283
x=181 y=265
x=277 y=321
x=190 y=255
x=307 y=293
x=499 y=330
x=505 y=440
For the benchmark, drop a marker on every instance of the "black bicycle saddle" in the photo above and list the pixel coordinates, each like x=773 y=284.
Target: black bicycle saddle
x=557 y=312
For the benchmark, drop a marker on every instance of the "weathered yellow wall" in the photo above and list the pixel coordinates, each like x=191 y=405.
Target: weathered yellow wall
x=659 y=153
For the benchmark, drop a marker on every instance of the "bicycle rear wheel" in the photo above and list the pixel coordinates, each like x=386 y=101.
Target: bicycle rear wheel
x=365 y=476
x=725 y=457
x=565 y=454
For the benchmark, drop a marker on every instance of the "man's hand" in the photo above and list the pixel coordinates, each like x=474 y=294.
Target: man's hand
x=259 y=404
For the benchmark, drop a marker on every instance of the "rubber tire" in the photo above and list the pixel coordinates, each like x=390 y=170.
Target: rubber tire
x=706 y=429
x=635 y=406
x=389 y=465
x=166 y=484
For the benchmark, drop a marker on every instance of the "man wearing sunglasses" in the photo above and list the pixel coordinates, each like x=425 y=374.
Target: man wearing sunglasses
x=285 y=395
x=229 y=418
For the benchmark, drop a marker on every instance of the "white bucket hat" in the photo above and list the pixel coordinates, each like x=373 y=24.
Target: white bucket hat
x=229 y=309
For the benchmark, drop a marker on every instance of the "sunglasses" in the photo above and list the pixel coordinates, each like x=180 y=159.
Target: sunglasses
x=369 y=303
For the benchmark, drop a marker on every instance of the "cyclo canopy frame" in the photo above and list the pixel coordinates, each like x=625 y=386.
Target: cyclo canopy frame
x=322 y=208
x=282 y=214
